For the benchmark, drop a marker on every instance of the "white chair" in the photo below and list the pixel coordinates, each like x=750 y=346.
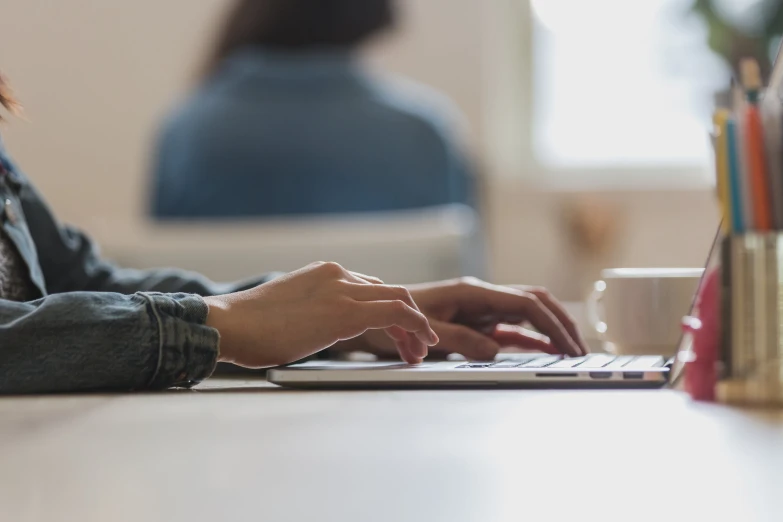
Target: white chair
x=399 y=247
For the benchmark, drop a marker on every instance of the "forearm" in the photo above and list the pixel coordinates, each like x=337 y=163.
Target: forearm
x=107 y=278
x=101 y=341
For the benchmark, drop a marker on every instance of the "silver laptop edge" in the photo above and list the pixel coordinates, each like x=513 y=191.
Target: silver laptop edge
x=639 y=372
x=346 y=374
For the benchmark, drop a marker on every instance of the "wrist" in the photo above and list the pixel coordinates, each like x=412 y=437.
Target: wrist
x=217 y=312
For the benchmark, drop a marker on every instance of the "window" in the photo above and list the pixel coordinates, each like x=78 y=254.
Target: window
x=621 y=83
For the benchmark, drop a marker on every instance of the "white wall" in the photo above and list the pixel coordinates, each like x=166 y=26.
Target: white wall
x=97 y=75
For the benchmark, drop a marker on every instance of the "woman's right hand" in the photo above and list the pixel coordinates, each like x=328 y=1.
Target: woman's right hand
x=309 y=310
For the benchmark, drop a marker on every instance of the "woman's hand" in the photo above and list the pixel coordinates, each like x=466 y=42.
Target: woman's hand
x=477 y=320
x=310 y=310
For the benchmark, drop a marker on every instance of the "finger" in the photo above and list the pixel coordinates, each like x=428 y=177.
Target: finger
x=412 y=351
x=417 y=347
x=369 y=279
x=402 y=346
x=374 y=315
x=364 y=292
x=397 y=333
x=506 y=301
x=547 y=323
x=406 y=353
x=510 y=336
x=407 y=341
x=562 y=315
x=455 y=338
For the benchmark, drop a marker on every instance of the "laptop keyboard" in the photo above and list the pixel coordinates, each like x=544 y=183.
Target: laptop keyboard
x=591 y=362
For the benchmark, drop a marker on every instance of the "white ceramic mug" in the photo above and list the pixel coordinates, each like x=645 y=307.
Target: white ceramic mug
x=639 y=311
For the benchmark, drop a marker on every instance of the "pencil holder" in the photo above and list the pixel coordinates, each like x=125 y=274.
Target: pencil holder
x=753 y=319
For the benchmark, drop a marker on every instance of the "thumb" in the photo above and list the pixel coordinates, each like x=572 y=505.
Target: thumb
x=456 y=338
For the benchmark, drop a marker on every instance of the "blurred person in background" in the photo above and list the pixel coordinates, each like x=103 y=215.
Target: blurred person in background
x=71 y=321
x=288 y=120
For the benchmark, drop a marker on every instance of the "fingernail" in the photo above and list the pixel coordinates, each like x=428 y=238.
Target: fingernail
x=434 y=338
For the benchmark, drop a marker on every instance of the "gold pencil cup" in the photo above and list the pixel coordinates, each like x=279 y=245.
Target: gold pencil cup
x=753 y=348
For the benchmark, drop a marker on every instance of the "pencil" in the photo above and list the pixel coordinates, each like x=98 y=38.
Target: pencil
x=735 y=177
x=721 y=119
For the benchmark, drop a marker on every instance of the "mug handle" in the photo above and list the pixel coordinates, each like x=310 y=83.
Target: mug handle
x=593 y=305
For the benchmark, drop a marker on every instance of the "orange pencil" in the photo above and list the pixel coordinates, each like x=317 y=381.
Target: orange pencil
x=754 y=148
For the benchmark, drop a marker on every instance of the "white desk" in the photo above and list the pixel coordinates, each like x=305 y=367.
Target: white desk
x=247 y=451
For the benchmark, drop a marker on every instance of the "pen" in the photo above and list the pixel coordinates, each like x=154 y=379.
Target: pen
x=740 y=168
x=754 y=147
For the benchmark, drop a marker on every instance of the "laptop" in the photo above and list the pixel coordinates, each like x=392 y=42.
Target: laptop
x=508 y=370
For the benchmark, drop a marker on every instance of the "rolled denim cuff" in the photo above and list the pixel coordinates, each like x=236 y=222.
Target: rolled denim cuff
x=187 y=348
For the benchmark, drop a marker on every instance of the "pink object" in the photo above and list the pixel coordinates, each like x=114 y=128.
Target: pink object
x=704 y=325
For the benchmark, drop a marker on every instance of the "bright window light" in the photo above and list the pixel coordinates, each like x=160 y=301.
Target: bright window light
x=621 y=83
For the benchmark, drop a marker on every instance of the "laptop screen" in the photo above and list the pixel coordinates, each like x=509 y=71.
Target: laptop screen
x=685 y=349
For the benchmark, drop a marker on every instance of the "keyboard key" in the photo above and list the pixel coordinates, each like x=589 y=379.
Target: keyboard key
x=568 y=363
x=645 y=362
x=597 y=361
x=619 y=362
x=476 y=365
x=507 y=364
x=541 y=362
x=519 y=358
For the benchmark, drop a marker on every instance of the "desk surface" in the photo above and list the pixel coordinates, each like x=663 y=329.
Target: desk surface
x=241 y=450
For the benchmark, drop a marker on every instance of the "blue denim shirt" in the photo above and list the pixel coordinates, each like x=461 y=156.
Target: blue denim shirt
x=97 y=327
x=274 y=133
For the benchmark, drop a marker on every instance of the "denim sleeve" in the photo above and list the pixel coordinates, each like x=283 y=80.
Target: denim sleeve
x=104 y=341
x=71 y=262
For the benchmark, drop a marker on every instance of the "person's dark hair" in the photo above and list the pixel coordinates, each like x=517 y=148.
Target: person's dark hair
x=7 y=99
x=301 y=25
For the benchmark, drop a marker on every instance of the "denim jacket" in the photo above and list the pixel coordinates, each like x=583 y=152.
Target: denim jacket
x=96 y=326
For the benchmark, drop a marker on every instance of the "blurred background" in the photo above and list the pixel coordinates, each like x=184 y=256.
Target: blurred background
x=587 y=123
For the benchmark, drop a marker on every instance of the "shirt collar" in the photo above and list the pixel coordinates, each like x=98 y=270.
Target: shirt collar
x=322 y=63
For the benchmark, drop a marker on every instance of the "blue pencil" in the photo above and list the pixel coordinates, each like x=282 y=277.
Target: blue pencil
x=735 y=181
